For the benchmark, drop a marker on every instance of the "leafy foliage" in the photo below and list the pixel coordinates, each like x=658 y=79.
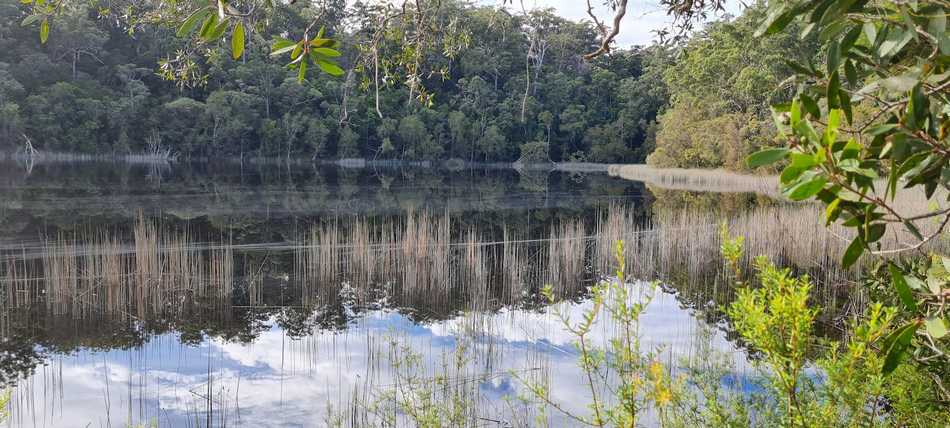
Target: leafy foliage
x=872 y=119
x=92 y=85
x=720 y=89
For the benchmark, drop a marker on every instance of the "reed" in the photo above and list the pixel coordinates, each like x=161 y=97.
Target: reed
x=432 y=257
x=428 y=261
x=94 y=273
x=566 y=254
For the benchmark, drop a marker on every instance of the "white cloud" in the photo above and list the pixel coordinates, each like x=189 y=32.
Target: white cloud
x=278 y=381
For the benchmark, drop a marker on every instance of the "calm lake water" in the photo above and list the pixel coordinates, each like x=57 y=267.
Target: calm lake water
x=273 y=295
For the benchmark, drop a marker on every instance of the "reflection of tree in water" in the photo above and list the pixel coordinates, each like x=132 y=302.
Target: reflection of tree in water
x=477 y=265
x=726 y=204
x=533 y=180
x=97 y=194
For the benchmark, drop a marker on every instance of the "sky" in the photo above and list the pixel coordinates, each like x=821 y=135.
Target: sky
x=279 y=381
x=638 y=26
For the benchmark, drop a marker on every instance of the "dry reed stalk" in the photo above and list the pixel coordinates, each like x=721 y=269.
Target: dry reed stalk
x=514 y=267
x=475 y=272
x=221 y=273
x=361 y=265
x=62 y=277
x=567 y=248
x=441 y=273
x=147 y=264
x=90 y=273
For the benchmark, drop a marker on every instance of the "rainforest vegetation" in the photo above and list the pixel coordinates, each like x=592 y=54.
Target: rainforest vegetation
x=94 y=88
x=512 y=85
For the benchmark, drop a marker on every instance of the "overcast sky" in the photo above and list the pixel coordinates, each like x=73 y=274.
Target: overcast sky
x=643 y=16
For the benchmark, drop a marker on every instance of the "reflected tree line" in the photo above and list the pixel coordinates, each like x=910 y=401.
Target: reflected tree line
x=337 y=270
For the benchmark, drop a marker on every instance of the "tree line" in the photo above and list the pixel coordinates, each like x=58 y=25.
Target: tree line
x=505 y=86
x=94 y=88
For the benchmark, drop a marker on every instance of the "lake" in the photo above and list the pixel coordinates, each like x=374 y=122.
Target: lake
x=309 y=295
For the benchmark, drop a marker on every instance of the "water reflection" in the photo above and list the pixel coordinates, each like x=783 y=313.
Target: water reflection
x=263 y=201
x=208 y=295
x=281 y=379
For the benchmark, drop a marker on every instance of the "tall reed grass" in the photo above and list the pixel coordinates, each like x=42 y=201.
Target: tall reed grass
x=92 y=273
x=433 y=263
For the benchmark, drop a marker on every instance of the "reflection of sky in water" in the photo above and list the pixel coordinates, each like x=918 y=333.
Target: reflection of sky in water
x=278 y=381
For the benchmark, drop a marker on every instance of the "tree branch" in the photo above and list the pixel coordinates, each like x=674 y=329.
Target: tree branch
x=609 y=37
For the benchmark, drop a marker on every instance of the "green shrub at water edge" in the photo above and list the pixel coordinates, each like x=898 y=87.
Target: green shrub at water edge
x=806 y=381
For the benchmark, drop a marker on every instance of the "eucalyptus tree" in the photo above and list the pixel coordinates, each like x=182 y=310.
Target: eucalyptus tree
x=869 y=121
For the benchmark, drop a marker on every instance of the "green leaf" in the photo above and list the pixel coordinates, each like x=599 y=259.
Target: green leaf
x=29 y=20
x=804 y=129
x=851 y=73
x=208 y=25
x=849 y=39
x=915 y=283
x=874 y=232
x=297 y=53
x=831 y=131
x=819 y=11
x=834 y=56
x=900 y=285
x=853 y=252
x=832 y=211
x=777 y=19
x=302 y=72
x=896 y=39
x=791 y=173
x=765 y=157
x=810 y=106
x=795 y=113
x=44 y=30
x=323 y=43
x=803 y=160
x=807 y=189
x=191 y=23
x=908 y=21
x=912 y=228
x=936 y=327
x=896 y=344
x=280 y=47
x=237 y=40
x=870 y=31
x=217 y=31
x=798 y=68
x=326 y=52
x=834 y=84
x=845 y=101
x=330 y=68
x=881 y=129
x=854 y=166
x=937 y=26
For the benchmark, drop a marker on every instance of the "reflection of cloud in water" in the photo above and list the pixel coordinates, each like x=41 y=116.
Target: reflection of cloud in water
x=278 y=381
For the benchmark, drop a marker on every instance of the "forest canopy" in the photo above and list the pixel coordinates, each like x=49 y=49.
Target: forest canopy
x=502 y=80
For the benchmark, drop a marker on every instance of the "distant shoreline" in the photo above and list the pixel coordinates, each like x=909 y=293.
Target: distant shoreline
x=356 y=163
x=700 y=180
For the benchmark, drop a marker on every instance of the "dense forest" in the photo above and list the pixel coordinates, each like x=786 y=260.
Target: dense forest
x=513 y=86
